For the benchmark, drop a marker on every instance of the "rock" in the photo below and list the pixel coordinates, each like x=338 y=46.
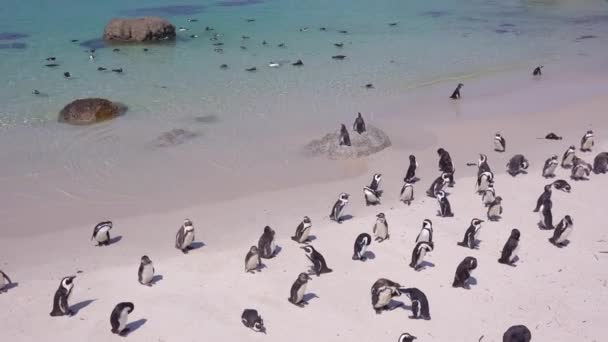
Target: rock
x=175 y=137
x=372 y=141
x=90 y=110
x=146 y=29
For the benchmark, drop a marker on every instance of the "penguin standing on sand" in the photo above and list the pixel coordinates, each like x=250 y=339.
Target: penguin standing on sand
x=568 y=157
x=252 y=320
x=410 y=175
x=336 y=211
x=438 y=184
x=303 y=231
x=546 y=216
x=482 y=165
x=426 y=233
x=185 y=236
x=266 y=243
x=372 y=192
x=60 y=301
x=517 y=165
x=319 y=266
x=381 y=228
x=445 y=209
x=253 y=260
x=445 y=161
x=510 y=250
x=120 y=316
x=488 y=196
x=361 y=244
x=456 y=93
x=101 y=233
x=484 y=181
x=517 y=333
x=500 y=144
x=420 y=250
x=298 y=290
x=344 y=136
x=4 y=282
x=359 y=125
x=581 y=169
x=420 y=304
x=587 y=141
x=600 y=163
x=537 y=71
x=145 y=274
x=471 y=235
x=543 y=197
x=463 y=272
x=562 y=232
x=550 y=166
x=406 y=337
x=495 y=209
x=383 y=291
x=407 y=193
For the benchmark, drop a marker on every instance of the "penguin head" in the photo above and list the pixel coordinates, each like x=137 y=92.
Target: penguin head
x=412 y=158
x=381 y=218
x=308 y=249
x=548 y=187
x=253 y=250
x=572 y=148
x=303 y=277
x=472 y=262
x=343 y=128
x=476 y=222
x=427 y=224
x=359 y=116
x=446 y=176
x=440 y=151
x=258 y=326
x=568 y=220
x=589 y=133
x=344 y=197
x=378 y=177
x=460 y=85
x=145 y=260
x=497 y=136
x=524 y=164
x=188 y=224
x=515 y=234
x=68 y=282
x=554 y=157
x=406 y=337
x=268 y=231
x=440 y=195
x=482 y=158
x=498 y=200
x=306 y=220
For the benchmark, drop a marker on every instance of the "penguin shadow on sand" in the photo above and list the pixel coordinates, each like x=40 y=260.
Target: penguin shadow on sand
x=309 y=296
x=114 y=240
x=196 y=245
x=368 y=255
x=471 y=281
x=344 y=218
x=133 y=326
x=424 y=265
x=81 y=305
x=156 y=279
x=8 y=287
x=277 y=251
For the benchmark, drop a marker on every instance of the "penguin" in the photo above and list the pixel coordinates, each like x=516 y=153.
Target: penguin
x=281 y=45
x=471 y=235
x=343 y=31
x=344 y=137
x=393 y=24
x=587 y=141
x=253 y=260
x=251 y=69
x=420 y=304
x=336 y=211
x=410 y=175
x=339 y=57
x=537 y=71
x=456 y=93
x=60 y=301
x=517 y=165
x=51 y=65
x=319 y=266
x=438 y=185
x=339 y=45
x=266 y=243
x=185 y=236
x=51 y=58
x=550 y=166
x=406 y=337
x=482 y=164
x=67 y=74
x=361 y=243
x=369 y=86
x=145 y=274
x=383 y=291
x=495 y=209
x=488 y=196
x=445 y=209
x=552 y=136
x=517 y=333
x=562 y=185
x=359 y=125
x=600 y=163
x=381 y=228
x=35 y=92
x=509 y=251
x=568 y=157
x=372 y=192
x=224 y=66
x=562 y=232
x=101 y=69
x=5 y=281
x=543 y=197
x=303 y=231
x=581 y=169
x=101 y=233
x=418 y=254
x=274 y=65
x=251 y=319
x=118 y=71
x=298 y=289
x=407 y=193
x=445 y=161
x=546 y=217
x=500 y=144
x=464 y=271
x=119 y=318
x=484 y=181
x=426 y=233
x=298 y=63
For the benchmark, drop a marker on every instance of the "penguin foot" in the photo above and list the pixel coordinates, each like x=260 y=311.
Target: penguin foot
x=363 y=258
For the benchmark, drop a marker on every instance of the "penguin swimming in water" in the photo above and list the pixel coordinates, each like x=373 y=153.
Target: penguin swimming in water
x=517 y=333
x=101 y=233
x=420 y=304
x=600 y=163
x=471 y=235
x=266 y=243
x=537 y=71
x=298 y=290
x=484 y=181
x=359 y=125
x=383 y=291
x=145 y=273
x=406 y=337
x=562 y=185
x=463 y=272
x=120 y=316
x=550 y=166
x=298 y=63
x=407 y=193
x=344 y=136
x=543 y=197
x=510 y=250
x=253 y=260
x=372 y=192
x=319 y=266
x=587 y=141
x=445 y=209
x=500 y=144
x=303 y=231
x=361 y=244
x=438 y=184
x=488 y=196
x=339 y=57
x=5 y=281
x=380 y=229
x=495 y=209
x=60 y=301
x=456 y=93
x=420 y=250
x=410 y=175
x=67 y=74
x=568 y=157
x=517 y=165
x=562 y=232
x=252 y=320
x=581 y=169
x=336 y=211
x=426 y=233
x=185 y=236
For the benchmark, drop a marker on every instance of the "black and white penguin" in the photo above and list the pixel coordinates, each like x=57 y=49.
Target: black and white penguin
x=101 y=233
x=456 y=93
x=361 y=244
x=375 y=184
x=298 y=290
x=568 y=157
x=5 y=281
x=552 y=136
x=420 y=304
x=581 y=170
x=482 y=164
x=600 y=163
x=120 y=316
x=319 y=266
x=359 y=125
x=495 y=209
x=562 y=232
x=488 y=196
x=336 y=211
x=484 y=181
x=510 y=250
x=537 y=71
x=381 y=228
x=252 y=320
x=587 y=141
x=543 y=197
x=471 y=235
x=517 y=165
x=445 y=161
x=303 y=231
x=372 y=192
x=266 y=243
x=420 y=250
x=185 y=236
x=517 y=333
x=145 y=273
x=60 y=301
x=407 y=193
x=383 y=291
x=464 y=271
x=438 y=184
x=562 y=185
x=410 y=175
x=445 y=209
x=546 y=216
x=406 y=337
x=550 y=166
x=500 y=144
x=426 y=233
x=344 y=138
x=253 y=260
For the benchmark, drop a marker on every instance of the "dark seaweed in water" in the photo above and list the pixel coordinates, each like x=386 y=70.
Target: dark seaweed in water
x=19 y=46
x=165 y=11
x=12 y=35
x=235 y=3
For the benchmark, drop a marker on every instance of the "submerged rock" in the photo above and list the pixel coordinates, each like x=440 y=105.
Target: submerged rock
x=372 y=141
x=146 y=29
x=175 y=137
x=90 y=110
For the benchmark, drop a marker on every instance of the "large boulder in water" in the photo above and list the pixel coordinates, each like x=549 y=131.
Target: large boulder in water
x=146 y=29
x=90 y=110
x=369 y=142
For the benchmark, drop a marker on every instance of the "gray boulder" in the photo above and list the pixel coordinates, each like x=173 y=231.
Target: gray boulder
x=90 y=110
x=146 y=29
x=372 y=141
